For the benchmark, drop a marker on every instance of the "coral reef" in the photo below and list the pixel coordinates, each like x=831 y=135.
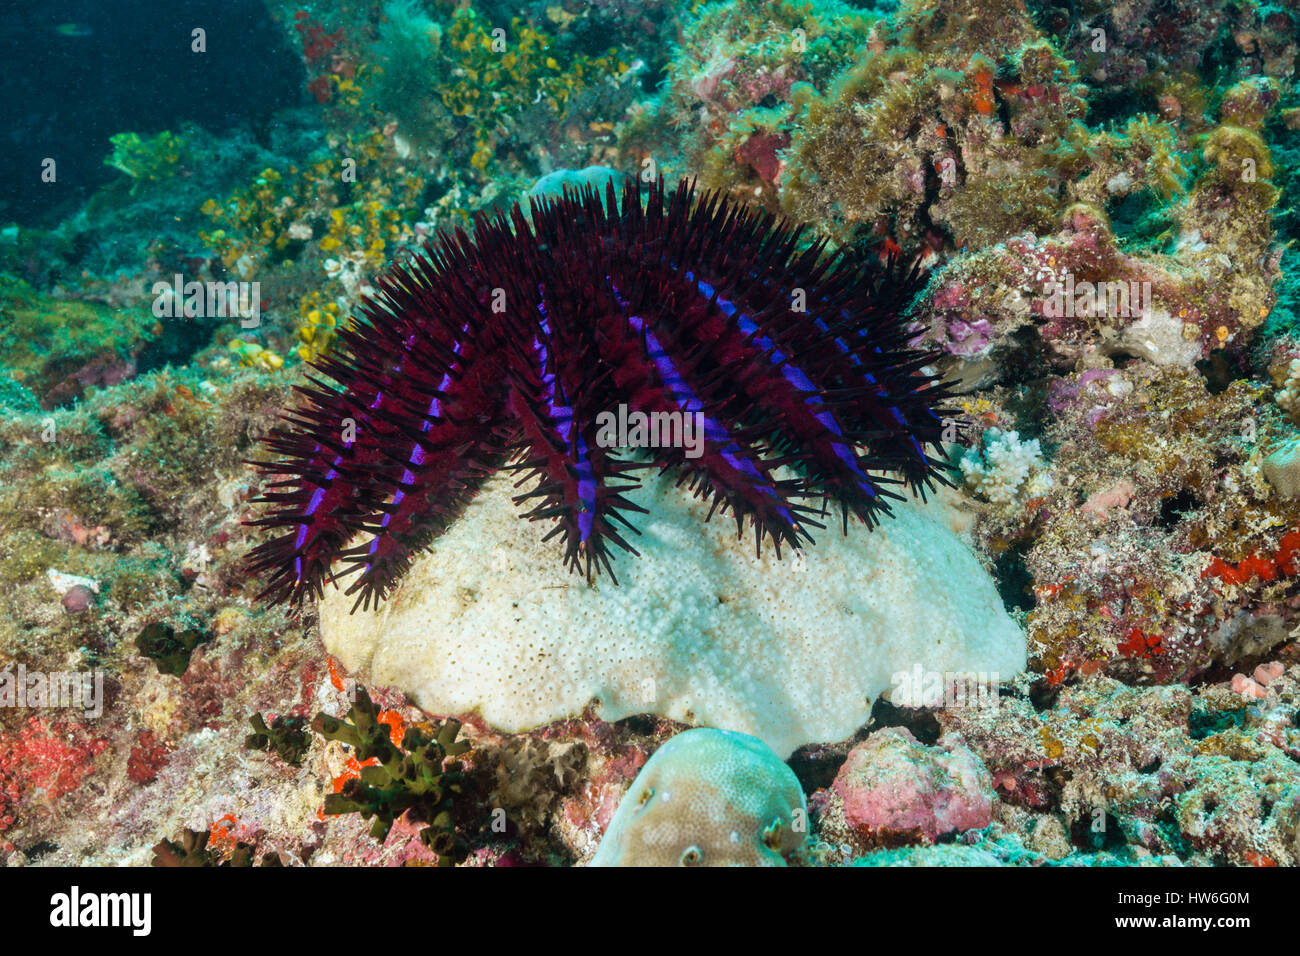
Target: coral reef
x=1206 y=775
x=1103 y=199
x=947 y=136
x=734 y=86
x=56 y=349
x=708 y=798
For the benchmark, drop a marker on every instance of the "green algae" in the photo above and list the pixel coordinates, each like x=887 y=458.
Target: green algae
x=148 y=158
x=46 y=340
x=284 y=737
x=420 y=776
x=168 y=648
x=192 y=850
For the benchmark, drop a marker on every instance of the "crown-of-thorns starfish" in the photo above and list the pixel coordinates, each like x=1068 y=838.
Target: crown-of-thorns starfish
x=501 y=350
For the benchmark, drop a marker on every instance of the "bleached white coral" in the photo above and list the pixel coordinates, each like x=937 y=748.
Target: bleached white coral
x=1003 y=465
x=1288 y=396
x=698 y=629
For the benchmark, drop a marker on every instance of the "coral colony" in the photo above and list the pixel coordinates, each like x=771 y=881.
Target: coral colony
x=684 y=432
x=521 y=341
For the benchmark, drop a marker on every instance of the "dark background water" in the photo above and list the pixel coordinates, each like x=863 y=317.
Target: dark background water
x=75 y=72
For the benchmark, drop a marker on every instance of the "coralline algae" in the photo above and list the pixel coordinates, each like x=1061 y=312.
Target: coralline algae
x=791 y=651
x=892 y=788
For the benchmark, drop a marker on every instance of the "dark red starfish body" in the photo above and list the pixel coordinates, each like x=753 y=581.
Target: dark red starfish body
x=504 y=350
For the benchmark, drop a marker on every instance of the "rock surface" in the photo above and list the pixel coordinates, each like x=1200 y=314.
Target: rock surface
x=891 y=786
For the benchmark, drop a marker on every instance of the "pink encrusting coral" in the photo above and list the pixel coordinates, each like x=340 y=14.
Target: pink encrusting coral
x=892 y=789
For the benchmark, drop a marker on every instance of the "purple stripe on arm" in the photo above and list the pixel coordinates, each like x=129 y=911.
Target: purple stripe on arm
x=691 y=404
x=564 y=422
x=417 y=451
x=319 y=495
x=797 y=379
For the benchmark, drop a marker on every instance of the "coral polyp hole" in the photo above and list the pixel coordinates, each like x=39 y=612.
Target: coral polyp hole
x=1175 y=508
x=772 y=835
x=1122 y=359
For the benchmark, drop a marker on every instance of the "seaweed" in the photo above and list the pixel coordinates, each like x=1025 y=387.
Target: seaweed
x=167 y=648
x=285 y=737
x=418 y=776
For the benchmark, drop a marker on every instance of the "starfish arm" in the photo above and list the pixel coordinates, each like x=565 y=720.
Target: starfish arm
x=555 y=413
x=658 y=374
x=338 y=459
x=437 y=412
x=319 y=505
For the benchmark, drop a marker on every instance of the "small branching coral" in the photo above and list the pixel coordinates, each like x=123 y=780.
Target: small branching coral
x=420 y=776
x=999 y=470
x=790 y=367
